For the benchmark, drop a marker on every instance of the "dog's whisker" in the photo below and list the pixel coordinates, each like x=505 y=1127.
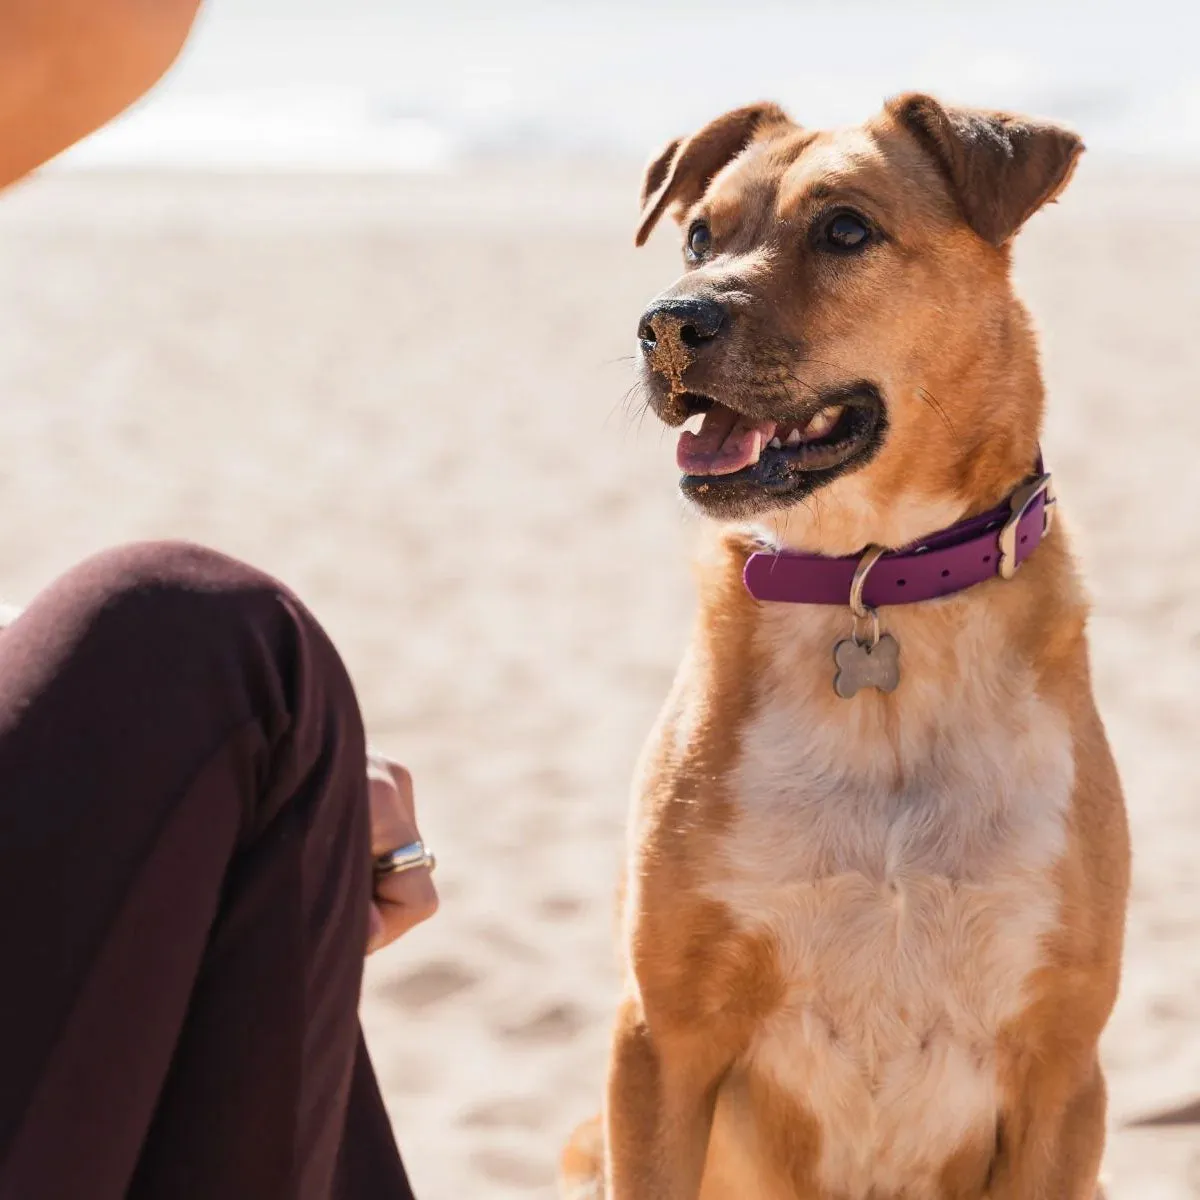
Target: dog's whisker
x=934 y=403
x=624 y=403
x=635 y=403
x=641 y=416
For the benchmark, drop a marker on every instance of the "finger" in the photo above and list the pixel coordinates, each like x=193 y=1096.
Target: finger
x=394 y=923
x=386 y=770
x=413 y=889
x=403 y=781
x=402 y=903
x=379 y=766
x=392 y=821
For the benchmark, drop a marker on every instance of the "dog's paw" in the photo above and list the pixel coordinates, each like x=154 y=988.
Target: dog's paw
x=581 y=1168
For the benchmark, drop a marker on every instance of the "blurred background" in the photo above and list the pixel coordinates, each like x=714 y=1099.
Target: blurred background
x=384 y=85
x=353 y=295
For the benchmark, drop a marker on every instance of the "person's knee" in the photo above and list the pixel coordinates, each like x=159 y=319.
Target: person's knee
x=152 y=660
x=180 y=617
x=170 y=571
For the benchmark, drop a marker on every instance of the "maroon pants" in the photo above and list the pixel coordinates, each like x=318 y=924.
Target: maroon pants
x=184 y=889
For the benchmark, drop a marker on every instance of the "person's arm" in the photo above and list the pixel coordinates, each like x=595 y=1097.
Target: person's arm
x=68 y=66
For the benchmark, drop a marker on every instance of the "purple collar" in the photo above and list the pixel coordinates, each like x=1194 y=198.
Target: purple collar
x=992 y=544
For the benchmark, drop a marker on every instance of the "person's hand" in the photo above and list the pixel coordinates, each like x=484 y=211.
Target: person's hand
x=406 y=898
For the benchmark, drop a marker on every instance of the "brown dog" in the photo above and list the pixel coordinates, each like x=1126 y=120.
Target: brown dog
x=872 y=932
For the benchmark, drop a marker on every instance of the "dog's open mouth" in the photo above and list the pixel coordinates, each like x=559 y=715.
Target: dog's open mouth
x=733 y=455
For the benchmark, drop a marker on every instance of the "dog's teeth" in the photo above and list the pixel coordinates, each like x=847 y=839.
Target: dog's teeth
x=793 y=438
x=775 y=444
x=821 y=424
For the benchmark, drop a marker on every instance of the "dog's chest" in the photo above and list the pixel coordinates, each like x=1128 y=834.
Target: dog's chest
x=906 y=918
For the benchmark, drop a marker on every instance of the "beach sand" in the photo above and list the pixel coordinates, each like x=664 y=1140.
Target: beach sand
x=404 y=397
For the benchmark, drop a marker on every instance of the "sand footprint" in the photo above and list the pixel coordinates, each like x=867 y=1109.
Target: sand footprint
x=429 y=984
x=555 y=1023
x=560 y=907
x=500 y=1166
x=506 y=1112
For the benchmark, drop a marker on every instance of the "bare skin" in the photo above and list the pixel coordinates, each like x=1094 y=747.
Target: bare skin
x=405 y=900
x=69 y=66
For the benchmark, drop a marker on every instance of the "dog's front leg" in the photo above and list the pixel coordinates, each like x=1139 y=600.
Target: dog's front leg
x=1053 y=1155
x=662 y=1091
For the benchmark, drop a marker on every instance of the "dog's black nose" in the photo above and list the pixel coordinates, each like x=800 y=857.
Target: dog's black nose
x=684 y=321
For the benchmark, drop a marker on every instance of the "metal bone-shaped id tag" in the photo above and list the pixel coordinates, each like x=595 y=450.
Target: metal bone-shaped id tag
x=874 y=663
x=862 y=665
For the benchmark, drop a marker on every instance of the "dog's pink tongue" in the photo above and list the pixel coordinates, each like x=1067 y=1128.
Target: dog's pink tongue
x=727 y=442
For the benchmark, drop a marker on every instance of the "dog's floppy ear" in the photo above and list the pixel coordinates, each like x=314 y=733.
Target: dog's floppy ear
x=686 y=166
x=1002 y=167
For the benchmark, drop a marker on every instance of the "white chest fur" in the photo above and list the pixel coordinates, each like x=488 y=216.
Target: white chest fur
x=902 y=870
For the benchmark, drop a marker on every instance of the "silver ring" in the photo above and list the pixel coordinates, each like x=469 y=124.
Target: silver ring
x=871 y=555
x=412 y=857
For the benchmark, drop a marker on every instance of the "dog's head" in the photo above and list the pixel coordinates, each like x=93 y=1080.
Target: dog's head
x=846 y=322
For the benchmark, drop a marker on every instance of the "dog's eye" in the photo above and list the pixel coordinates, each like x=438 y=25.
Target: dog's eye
x=845 y=231
x=699 y=240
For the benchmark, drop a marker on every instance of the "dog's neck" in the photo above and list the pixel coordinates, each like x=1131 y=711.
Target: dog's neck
x=855 y=512
x=847 y=517
x=984 y=644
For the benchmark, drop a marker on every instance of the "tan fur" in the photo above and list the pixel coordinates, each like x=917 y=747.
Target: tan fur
x=871 y=944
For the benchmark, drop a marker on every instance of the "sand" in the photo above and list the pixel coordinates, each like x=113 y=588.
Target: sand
x=405 y=398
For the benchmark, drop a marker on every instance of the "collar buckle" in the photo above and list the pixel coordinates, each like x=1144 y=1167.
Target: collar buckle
x=1019 y=504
